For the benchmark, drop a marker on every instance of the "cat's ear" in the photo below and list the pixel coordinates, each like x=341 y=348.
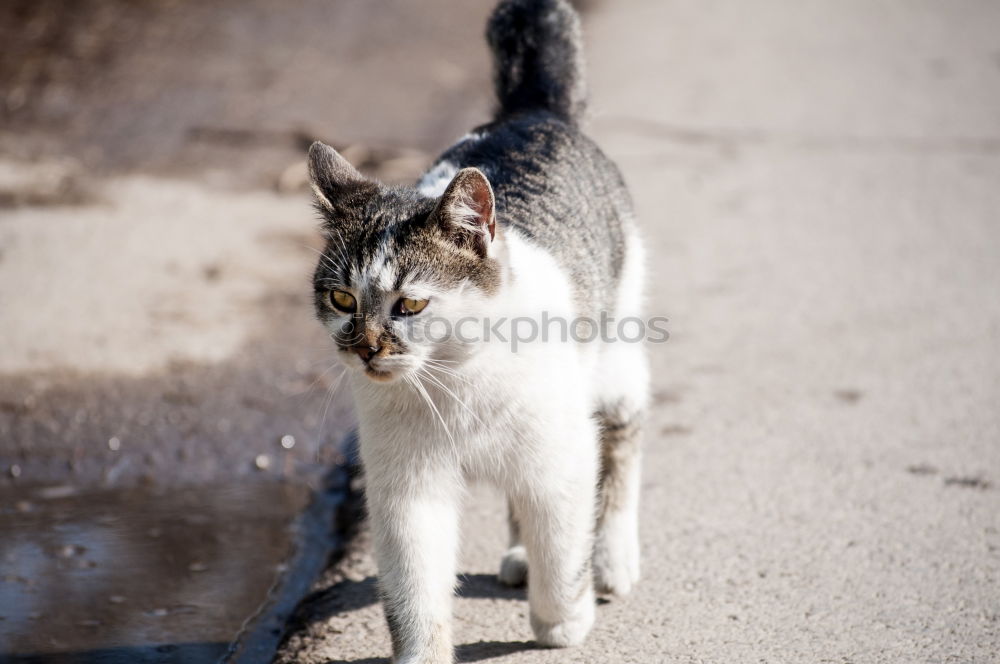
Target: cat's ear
x=467 y=211
x=335 y=182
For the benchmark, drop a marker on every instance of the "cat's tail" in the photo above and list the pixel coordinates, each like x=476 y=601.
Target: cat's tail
x=537 y=58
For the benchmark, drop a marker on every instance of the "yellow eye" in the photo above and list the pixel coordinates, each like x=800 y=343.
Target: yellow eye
x=409 y=306
x=343 y=301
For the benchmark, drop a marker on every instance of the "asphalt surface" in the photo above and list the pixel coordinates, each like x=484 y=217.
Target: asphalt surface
x=818 y=187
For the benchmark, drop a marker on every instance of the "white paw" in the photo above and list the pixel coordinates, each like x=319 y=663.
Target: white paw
x=616 y=562
x=568 y=632
x=514 y=567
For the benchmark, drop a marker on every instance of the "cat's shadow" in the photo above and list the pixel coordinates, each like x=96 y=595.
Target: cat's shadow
x=468 y=652
x=353 y=595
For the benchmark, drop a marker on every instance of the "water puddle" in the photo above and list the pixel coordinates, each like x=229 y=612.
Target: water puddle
x=138 y=575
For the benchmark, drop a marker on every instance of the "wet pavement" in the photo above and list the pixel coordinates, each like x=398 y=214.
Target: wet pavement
x=138 y=575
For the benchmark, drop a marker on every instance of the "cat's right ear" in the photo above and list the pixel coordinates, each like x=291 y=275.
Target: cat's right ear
x=336 y=184
x=467 y=210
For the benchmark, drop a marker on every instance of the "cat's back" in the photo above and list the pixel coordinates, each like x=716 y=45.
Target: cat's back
x=557 y=189
x=552 y=184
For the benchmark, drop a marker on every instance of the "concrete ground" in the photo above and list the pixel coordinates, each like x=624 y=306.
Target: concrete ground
x=818 y=183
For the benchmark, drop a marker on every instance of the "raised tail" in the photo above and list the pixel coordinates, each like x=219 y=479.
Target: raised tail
x=537 y=58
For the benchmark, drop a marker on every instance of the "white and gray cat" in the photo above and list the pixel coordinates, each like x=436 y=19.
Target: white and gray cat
x=523 y=218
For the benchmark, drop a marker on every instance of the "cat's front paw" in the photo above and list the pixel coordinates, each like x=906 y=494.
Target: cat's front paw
x=567 y=632
x=616 y=562
x=514 y=567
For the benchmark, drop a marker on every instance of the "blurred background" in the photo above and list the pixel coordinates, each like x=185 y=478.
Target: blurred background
x=818 y=182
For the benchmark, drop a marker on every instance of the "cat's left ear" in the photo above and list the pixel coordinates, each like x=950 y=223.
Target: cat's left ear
x=467 y=210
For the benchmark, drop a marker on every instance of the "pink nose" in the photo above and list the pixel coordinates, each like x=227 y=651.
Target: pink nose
x=367 y=352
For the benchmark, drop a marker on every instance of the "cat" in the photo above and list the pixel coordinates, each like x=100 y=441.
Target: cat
x=524 y=218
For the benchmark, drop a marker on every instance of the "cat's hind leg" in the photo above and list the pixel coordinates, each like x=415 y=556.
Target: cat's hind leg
x=620 y=411
x=514 y=564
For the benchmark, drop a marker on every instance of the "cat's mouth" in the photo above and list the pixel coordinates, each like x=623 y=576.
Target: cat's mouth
x=377 y=374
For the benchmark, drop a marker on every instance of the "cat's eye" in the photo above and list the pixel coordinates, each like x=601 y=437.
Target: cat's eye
x=409 y=306
x=343 y=301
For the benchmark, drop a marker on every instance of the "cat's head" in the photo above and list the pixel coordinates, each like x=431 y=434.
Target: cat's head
x=400 y=268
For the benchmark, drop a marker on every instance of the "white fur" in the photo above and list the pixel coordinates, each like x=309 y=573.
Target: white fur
x=624 y=385
x=523 y=421
x=465 y=215
x=624 y=371
x=318 y=193
x=435 y=181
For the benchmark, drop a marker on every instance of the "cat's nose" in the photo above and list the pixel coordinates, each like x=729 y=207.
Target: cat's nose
x=367 y=352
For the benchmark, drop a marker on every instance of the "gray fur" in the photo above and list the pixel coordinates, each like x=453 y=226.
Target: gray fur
x=537 y=58
x=620 y=440
x=554 y=185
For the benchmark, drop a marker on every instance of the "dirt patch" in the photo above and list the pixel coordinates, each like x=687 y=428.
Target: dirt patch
x=968 y=482
x=848 y=396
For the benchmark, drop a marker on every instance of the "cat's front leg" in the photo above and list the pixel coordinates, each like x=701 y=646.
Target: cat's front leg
x=556 y=518
x=415 y=527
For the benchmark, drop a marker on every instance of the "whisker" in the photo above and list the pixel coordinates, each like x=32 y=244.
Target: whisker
x=330 y=392
x=322 y=375
x=453 y=396
x=419 y=386
x=334 y=263
x=343 y=248
x=447 y=372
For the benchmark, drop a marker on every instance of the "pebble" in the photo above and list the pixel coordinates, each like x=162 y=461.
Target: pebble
x=15 y=471
x=70 y=550
x=55 y=492
x=197 y=567
x=116 y=599
x=114 y=443
x=263 y=462
x=288 y=441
